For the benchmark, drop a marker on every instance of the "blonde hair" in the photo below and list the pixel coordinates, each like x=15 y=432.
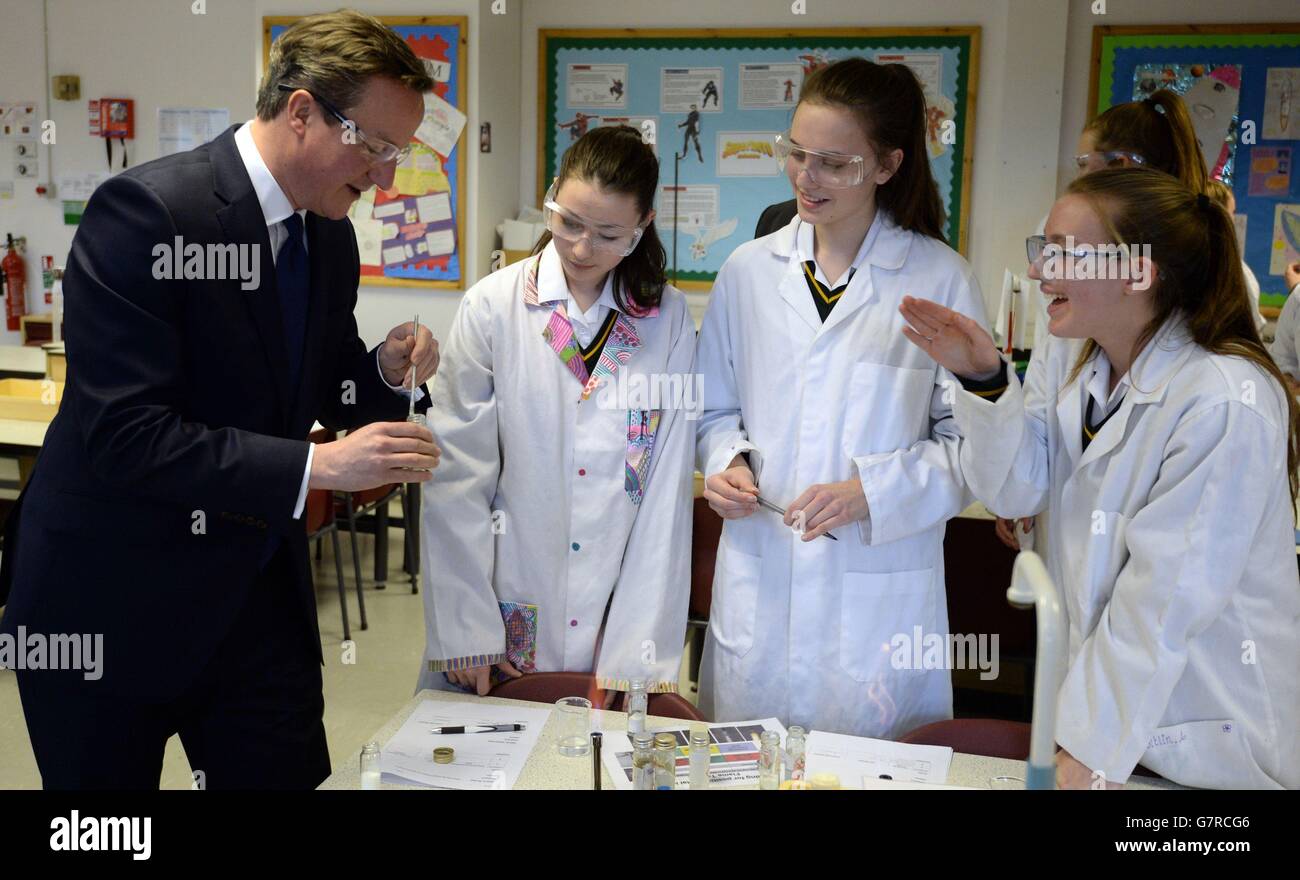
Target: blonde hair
x=1218 y=192
x=333 y=55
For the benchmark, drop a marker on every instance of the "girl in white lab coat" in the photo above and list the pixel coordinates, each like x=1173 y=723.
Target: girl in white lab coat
x=1158 y=433
x=814 y=401
x=1286 y=340
x=557 y=528
x=1155 y=132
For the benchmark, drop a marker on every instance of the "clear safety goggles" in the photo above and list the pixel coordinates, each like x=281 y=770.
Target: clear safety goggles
x=1039 y=247
x=825 y=168
x=568 y=226
x=1099 y=159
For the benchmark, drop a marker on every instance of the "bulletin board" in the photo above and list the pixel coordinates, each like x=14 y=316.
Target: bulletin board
x=414 y=234
x=745 y=84
x=1242 y=86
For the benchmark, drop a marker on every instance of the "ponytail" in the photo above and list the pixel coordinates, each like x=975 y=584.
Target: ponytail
x=1159 y=129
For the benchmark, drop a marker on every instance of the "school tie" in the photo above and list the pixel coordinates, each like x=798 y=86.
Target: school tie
x=292 y=280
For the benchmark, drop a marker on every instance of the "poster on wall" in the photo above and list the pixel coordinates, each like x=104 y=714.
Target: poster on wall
x=716 y=98
x=413 y=234
x=1239 y=83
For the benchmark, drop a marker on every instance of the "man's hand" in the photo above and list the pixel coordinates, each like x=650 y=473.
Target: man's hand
x=1072 y=774
x=375 y=455
x=480 y=677
x=403 y=348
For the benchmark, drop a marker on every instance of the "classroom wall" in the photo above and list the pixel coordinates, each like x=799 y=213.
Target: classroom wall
x=1021 y=67
x=1033 y=83
x=161 y=54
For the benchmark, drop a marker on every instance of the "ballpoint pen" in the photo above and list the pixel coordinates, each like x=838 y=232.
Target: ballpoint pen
x=763 y=502
x=478 y=728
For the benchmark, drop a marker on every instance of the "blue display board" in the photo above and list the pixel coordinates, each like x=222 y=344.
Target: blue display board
x=1242 y=85
x=713 y=100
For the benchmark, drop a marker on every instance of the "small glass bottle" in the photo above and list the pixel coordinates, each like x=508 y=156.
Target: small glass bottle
x=665 y=762
x=637 y=703
x=643 y=761
x=700 y=756
x=769 y=760
x=370 y=767
x=795 y=746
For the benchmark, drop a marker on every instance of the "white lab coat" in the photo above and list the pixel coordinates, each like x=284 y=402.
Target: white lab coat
x=1285 y=347
x=801 y=631
x=534 y=499
x=1171 y=537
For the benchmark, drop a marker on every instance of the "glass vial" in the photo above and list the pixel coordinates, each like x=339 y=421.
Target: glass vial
x=370 y=766
x=769 y=760
x=795 y=747
x=643 y=761
x=637 y=703
x=700 y=756
x=665 y=762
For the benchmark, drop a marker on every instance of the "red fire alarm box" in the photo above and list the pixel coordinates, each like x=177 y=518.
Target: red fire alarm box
x=116 y=118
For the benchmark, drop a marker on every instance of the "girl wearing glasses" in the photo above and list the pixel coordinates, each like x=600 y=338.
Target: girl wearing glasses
x=1159 y=435
x=1155 y=132
x=814 y=402
x=557 y=529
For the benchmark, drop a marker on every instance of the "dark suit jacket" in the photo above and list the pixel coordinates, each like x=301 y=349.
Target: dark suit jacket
x=775 y=217
x=179 y=448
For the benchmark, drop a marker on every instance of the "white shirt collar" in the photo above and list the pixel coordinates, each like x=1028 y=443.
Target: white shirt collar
x=276 y=206
x=1097 y=384
x=803 y=247
x=552 y=287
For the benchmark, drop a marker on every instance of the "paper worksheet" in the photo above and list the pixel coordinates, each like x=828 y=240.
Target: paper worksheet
x=482 y=762
x=857 y=760
x=733 y=753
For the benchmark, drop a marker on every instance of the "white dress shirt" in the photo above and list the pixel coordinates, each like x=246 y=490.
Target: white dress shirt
x=276 y=208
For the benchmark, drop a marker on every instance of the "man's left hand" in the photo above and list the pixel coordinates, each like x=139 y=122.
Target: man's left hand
x=403 y=348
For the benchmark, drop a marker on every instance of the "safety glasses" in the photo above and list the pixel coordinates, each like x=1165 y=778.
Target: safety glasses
x=376 y=150
x=572 y=227
x=1098 y=159
x=826 y=168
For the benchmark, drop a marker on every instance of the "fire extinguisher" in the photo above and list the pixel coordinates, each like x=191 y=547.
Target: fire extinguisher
x=15 y=272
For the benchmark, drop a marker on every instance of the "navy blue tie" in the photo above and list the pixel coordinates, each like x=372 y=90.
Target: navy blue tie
x=293 y=280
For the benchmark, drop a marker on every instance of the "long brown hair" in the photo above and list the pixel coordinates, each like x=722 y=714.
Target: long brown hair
x=890 y=106
x=615 y=159
x=1157 y=128
x=1194 y=244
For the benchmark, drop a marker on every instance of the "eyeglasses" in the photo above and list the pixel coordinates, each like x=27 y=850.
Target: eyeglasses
x=826 y=168
x=1108 y=159
x=1039 y=248
x=571 y=227
x=376 y=150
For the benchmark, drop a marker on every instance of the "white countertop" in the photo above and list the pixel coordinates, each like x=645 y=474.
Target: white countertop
x=547 y=769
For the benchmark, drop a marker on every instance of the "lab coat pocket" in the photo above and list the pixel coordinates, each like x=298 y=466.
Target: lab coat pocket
x=642 y=428
x=735 y=600
x=1104 y=554
x=874 y=608
x=888 y=408
x=1205 y=754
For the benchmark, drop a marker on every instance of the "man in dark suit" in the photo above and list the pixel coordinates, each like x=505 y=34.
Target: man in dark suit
x=209 y=322
x=775 y=217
